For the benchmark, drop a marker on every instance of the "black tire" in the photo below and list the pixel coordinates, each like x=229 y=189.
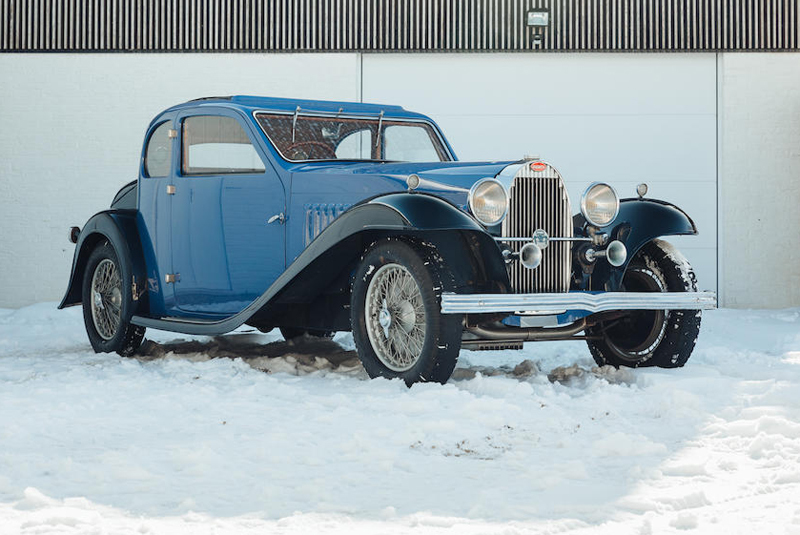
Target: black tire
x=290 y=333
x=433 y=340
x=119 y=335
x=651 y=338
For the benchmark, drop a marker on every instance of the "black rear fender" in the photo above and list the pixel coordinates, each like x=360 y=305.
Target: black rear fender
x=118 y=228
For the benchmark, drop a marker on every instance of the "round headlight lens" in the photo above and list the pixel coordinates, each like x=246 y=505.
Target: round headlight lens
x=600 y=204
x=488 y=201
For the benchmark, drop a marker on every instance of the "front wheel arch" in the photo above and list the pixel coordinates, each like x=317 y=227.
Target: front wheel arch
x=632 y=341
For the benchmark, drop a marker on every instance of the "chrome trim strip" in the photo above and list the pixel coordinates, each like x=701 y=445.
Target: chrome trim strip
x=558 y=302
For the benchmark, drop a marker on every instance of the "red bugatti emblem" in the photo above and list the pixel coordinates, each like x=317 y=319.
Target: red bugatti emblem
x=538 y=166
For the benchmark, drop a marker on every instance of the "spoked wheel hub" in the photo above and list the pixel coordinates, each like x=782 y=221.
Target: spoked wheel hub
x=106 y=299
x=395 y=317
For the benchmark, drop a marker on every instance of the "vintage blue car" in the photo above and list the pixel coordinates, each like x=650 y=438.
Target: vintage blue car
x=315 y=217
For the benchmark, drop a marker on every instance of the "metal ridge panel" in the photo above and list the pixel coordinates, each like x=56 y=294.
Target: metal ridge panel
x=395 y=25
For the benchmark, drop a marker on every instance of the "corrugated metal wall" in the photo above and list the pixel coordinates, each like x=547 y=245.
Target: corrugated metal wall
x=416 y=25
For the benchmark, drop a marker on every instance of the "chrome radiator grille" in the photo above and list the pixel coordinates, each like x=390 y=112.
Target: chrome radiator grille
x=538 y=200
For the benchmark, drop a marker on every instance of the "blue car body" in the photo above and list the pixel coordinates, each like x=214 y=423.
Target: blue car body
x=209 y=253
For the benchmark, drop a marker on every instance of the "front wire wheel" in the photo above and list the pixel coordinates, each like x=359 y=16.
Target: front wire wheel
x=663 y=338
x=395 y=317
x=107 y=304
x=397 y=323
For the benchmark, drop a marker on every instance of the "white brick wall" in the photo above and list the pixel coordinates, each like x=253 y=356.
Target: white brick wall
x=759 y=180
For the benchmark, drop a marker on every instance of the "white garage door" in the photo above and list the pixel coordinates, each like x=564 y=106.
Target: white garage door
x=621 y=119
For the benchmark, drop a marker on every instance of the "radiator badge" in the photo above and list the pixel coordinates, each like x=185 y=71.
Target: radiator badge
x=538 y=166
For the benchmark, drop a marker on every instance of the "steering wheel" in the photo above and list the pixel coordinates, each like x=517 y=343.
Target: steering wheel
x=310 y=150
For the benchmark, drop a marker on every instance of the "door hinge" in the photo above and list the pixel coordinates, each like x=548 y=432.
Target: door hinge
x=170 y=189
x=172 y=134
x=172 y=278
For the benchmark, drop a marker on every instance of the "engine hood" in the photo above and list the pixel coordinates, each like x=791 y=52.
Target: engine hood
x=451 y=180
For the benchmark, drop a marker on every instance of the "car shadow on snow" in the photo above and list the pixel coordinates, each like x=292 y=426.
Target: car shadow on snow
x=307 y=355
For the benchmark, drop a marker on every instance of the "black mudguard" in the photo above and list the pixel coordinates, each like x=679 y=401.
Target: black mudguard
x=640 y=221
x=118 y=227
x=325 y=265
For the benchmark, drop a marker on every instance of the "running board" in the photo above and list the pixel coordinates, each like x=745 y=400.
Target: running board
x=558 y=303
x=188 y=326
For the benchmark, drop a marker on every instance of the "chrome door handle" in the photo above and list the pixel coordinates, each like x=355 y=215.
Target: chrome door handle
x=277 y=217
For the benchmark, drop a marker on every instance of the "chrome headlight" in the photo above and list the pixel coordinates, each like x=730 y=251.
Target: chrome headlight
x=600 y=204
x=488 y=201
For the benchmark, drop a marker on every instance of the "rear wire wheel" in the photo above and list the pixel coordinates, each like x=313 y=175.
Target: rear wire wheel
x=396 y=317
x=107 y=304
x=663 y=338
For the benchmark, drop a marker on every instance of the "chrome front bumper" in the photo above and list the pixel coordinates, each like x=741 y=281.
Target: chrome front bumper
x=557 y=303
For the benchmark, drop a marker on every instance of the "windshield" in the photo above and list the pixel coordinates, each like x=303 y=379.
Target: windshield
x=302 y=138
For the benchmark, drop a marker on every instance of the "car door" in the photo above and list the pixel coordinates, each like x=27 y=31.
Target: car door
x=225 y=252
x=155 y=207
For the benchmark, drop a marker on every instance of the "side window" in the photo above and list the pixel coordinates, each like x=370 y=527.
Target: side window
x=214 y=145
x=355 y=146
x=159 y=149
x=409 y=143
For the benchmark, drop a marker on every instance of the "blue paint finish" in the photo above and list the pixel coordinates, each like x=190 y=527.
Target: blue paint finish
x=222 y=246
x=213 y=231
x=570 y=316
x=348 y=183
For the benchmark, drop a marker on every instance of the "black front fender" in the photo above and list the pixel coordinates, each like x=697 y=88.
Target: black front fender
x=118 y=227
x=638 y=222
x=468 y=250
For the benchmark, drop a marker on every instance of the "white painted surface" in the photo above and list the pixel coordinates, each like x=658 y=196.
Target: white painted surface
x=760 y=180
x=71 y=135
x=617 y=118
x=72 y=127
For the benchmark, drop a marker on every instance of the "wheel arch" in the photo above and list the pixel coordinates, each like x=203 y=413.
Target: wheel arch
x=118 y=227
x=326 y=266
x=639 y=222
x=468 y=250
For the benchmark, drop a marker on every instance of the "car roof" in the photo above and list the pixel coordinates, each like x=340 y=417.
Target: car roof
x=250 y=104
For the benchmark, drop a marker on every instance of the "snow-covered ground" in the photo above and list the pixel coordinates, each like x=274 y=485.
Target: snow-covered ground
x=187 y=440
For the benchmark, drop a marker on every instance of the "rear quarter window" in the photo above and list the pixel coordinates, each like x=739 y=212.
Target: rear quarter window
x=159 y=152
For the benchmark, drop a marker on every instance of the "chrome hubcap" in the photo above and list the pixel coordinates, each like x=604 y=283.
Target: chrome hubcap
x=395 y=317
x=106 y=299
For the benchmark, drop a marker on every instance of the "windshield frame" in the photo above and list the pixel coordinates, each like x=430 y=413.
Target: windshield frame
x=443 y=145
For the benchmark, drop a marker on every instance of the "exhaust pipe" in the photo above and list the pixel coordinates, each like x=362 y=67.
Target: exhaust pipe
x=526 y=334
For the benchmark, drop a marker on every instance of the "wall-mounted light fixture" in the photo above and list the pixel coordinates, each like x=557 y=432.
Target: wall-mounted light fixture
x=539 y=17
x=538 y=20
